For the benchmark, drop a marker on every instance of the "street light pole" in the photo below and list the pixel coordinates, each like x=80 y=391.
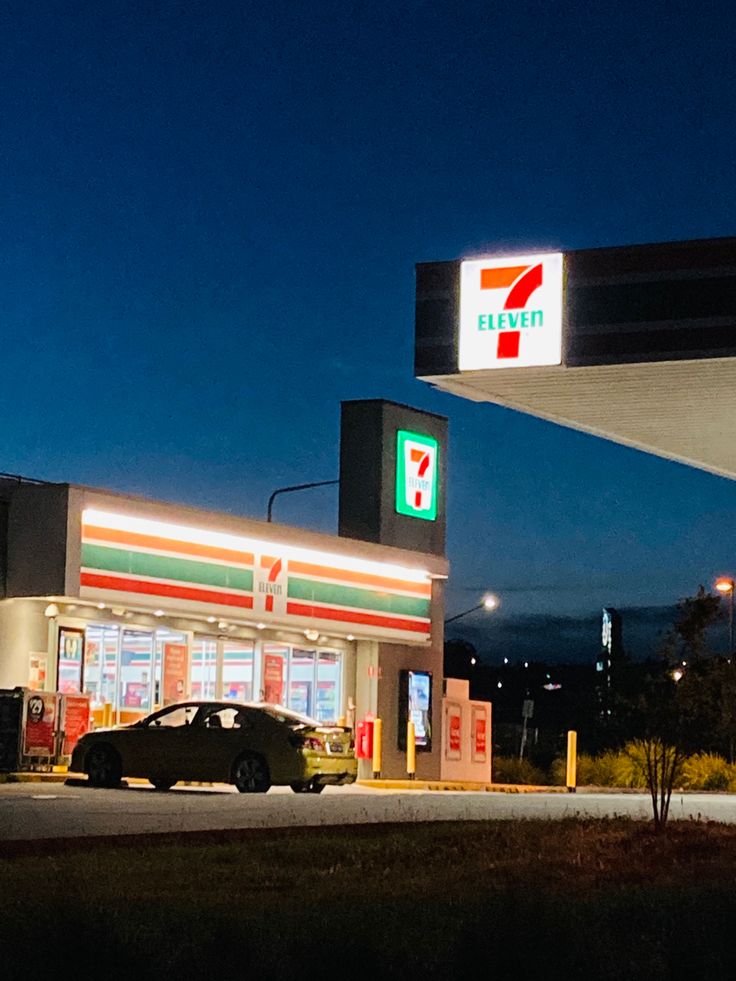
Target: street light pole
x=488 y=603
x=727 y=586
x=296 y=487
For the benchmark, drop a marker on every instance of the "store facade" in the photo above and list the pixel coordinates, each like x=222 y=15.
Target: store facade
x=141 y=603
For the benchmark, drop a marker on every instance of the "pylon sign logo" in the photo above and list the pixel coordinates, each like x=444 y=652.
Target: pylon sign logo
x=417 y=461
x=510 y=312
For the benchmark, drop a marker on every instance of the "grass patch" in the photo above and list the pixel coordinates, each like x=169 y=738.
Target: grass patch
x=590 y=899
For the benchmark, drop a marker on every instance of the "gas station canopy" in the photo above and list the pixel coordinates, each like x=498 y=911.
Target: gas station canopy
x=636 y=344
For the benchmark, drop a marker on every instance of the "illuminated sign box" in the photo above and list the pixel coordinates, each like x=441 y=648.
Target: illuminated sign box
x=137 y=560
x=510 y=312
x=416 y=475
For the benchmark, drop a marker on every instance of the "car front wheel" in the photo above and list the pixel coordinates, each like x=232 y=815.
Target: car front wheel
x=250 y=775
x=103 y=767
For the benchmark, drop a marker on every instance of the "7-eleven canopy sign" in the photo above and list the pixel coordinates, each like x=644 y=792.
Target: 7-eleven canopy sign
x=510 y=312
x=416 y=475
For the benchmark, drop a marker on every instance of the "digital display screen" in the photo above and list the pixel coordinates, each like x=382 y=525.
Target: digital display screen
x=415 y=705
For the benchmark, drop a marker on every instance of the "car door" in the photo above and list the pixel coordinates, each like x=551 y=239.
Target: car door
x=161 y=745
x=220 y=735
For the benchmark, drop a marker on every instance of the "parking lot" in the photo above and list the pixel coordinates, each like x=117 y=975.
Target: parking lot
x=55 y=810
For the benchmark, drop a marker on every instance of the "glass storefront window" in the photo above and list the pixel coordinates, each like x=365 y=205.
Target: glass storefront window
x=136 y=670
x=275 y=667
x=204 y=667
x=329 y=686
x=101 y=663
x=237 y=670
x=172 y=666
x=71 y=654
x=301 y=681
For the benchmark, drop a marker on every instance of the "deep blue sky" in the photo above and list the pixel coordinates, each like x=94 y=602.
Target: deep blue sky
x=210 y=218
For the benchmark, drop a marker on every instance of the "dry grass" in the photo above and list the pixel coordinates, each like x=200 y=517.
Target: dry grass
x=594 y=899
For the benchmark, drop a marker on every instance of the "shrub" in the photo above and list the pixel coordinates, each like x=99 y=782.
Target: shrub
x=508 y=769
x=706 y=771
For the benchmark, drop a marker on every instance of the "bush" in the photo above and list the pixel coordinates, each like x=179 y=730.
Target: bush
x=626 y=768
x=706 y=771
x=508 y=769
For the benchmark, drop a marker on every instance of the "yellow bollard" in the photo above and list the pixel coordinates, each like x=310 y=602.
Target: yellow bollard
x=377 y=738
x=411 y=750
x=341 y=721
x=107 y=715
x=572 y=761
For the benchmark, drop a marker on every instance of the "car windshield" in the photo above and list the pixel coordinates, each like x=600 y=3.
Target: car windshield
x=285 y=715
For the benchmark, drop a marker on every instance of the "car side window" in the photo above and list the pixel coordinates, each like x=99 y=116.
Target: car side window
x=225 y=718
x=182 y=715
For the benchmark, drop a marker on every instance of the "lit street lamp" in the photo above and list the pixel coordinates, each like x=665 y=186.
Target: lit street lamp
x=725 y=585
x=489 y=602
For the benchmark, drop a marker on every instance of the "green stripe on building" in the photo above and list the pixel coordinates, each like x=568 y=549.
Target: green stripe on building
x=165 y=567
x=361 y=599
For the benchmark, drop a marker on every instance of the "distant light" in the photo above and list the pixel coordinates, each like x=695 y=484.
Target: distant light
x=490 y=602
x=505 y=660
x=724 y=585
x=551 y=686
x=472 y=660
x=526 y=664
x=500 y=684
x=684 y=664
x=677 y=674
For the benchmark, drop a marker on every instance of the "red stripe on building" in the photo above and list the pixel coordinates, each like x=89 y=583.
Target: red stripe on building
x=127 y=585
x=349 y=616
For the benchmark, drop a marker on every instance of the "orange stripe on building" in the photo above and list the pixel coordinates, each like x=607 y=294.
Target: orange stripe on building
x=192 y=549
x=349 y=616
x=494 y=279
x=361 y=578
x=126 y=584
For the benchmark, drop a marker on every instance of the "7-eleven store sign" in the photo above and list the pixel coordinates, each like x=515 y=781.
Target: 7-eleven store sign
x=270 y=585
x=416 y=475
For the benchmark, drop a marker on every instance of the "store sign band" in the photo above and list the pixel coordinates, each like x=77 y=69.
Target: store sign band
x=197 y=570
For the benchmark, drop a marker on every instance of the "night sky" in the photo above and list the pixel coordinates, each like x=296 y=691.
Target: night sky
x=210 y=218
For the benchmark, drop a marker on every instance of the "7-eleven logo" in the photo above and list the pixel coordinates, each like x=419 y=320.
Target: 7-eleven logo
x=510 y=312
x=269 y=586
x=416 y=475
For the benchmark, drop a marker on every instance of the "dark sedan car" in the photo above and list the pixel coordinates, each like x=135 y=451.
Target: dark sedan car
x=254 y=746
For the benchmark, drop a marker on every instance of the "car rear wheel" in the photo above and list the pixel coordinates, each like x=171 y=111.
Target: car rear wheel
x=103 y=767
x=310 y=787
x=162 y=783
x=250 y=774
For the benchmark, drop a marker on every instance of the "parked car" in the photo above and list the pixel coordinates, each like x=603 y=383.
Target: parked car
x=252 y=745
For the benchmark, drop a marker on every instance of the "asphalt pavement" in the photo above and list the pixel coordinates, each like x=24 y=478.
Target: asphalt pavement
x=31 y=811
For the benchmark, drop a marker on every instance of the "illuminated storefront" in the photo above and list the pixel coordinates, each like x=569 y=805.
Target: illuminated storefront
x=140 y=604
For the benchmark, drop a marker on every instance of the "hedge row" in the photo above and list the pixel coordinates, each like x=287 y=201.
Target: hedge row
x=618 y=768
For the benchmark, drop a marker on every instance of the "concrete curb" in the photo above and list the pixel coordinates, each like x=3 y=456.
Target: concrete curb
x=490 y=788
